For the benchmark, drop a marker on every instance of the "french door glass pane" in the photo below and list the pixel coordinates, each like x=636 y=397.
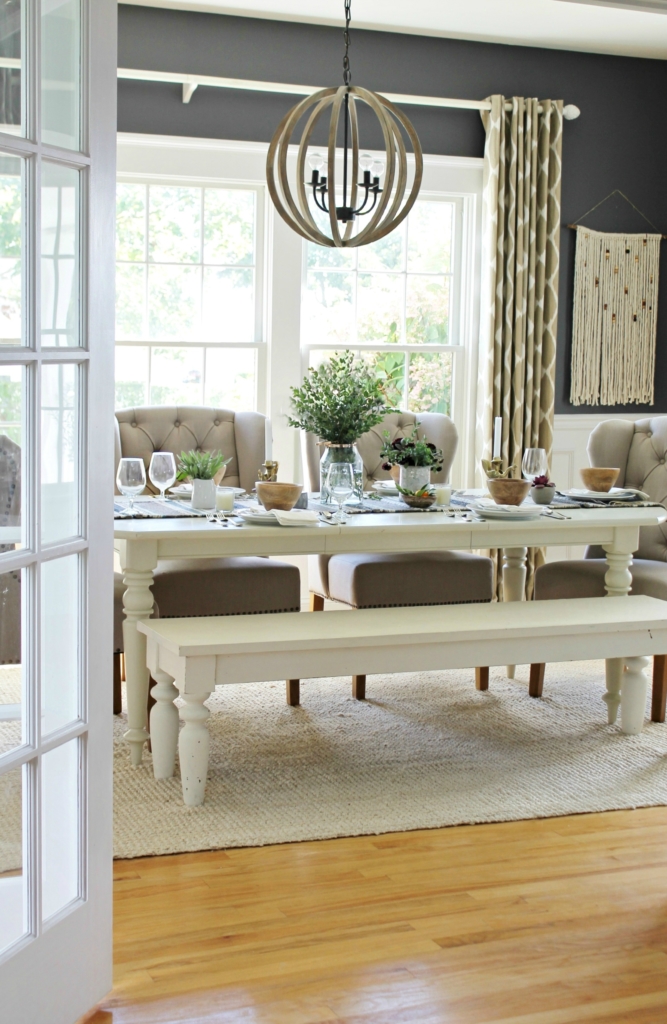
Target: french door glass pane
x=60 y=642
x=60 y=445
x=11 y=246
x=60 y=255
x=177 y=376
x=131 y=376
x=61 y=72
x=60 y=827
x=11 y=114
x=12 y=884
x=231 y=379
x=11 y=672
x=430 y=383
x=12 y=391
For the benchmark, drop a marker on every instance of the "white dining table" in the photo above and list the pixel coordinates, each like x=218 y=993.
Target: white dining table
x=142 y=543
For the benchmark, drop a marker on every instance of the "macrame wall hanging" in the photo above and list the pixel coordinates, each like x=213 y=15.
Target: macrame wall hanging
x=615 y=317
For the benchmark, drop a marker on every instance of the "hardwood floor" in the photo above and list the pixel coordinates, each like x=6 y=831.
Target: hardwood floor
x=538 y=922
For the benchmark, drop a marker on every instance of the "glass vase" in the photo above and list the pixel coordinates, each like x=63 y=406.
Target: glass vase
x=341 y=453
x=413 y=478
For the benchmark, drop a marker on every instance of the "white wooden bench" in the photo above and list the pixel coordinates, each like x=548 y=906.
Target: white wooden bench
x=191 y=657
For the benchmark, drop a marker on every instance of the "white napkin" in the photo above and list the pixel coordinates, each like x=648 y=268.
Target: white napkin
x=297 y=517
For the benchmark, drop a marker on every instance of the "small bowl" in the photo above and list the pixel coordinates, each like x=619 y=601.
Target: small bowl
x=598 y=479
x=276 y=495
x=508 y=492
x=413 y=501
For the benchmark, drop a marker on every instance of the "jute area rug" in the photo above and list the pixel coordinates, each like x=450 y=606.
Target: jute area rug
x=425 y=750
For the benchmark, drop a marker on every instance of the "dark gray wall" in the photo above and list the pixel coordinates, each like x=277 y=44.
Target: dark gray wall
x=619 y=142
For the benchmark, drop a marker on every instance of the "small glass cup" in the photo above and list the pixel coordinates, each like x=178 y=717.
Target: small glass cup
x=534 y=463
x=224 y=499
x=340 y=481
x=443 y=495
x=131 y=478
x=162 y=471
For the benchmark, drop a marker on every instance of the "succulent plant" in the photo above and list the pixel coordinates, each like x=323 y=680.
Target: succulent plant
x=543 y=481
x=195 y=465
x=423 y=492
x=494 y=469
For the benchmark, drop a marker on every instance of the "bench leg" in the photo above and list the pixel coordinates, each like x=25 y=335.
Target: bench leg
x=482 y=678
x=359 y=687
x=293 y=692
x=193 y=746
x=633 y=696
x=536 y=683
x=659 y=699
x=514 y=581
x=164 y=725
x=117 y=692
x=613 y=678
x=316 y=603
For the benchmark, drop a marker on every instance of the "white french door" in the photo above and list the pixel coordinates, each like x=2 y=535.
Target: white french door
x=57 y=184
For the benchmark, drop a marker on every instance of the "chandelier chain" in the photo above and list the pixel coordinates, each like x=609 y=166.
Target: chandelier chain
x=347 y=74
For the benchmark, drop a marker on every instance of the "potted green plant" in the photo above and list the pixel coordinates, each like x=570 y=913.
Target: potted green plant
x=416 y=458
x=201 y=468
x=338 y=402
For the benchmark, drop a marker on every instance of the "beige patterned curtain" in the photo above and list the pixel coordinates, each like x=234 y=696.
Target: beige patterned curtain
x=520 y=255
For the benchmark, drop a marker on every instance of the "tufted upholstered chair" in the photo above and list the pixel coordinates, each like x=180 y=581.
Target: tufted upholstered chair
x=204 y=586
x=639 y=449
x=401 y=579
x=10 y=582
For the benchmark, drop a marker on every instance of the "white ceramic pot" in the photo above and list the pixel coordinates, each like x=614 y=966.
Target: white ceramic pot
x=203 y=494
x=413 y=478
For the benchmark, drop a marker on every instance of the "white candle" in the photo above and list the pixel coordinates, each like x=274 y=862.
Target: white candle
x=443 y=494
x=224 y=499
x=497 y=436
x=268 y=440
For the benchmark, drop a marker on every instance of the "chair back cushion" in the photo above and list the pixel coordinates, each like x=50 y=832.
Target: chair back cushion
x=639 y=449
x=241 y=435
x=434 y=427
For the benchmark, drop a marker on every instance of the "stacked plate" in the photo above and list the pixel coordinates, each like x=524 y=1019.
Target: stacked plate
x=488 y=510
x=386 y=487
x=615 y=494
x=185 y=490
x=258 y=517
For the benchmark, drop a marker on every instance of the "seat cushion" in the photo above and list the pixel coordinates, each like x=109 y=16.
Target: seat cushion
x=216 y=586
x=585 y=578
x=406 y=580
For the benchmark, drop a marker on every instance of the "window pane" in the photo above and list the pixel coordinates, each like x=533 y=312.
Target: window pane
x=430 y=382
x=11 y=237
x=430 y=238
x=174 y=295
x=328 y=309
x=60 y=440
x=61 y=58
x=389 y=367
x=379 y=307
x=427 y=310
x=174 y=224
x=60 y=255
x=229 y=226
x=131 y=222
x=60 y=642
x=130 y=301
x=322 y=256
x=10 y=75
x=230 y=379
x=229 y=305
x=177 y=376
x=12 y=889
x=131 y=376
x=11 y=417
x=11 y=673
x=387 y=254
x=60 y=827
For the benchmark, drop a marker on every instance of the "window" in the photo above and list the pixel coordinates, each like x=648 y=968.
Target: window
x=396 y=302
x=188 y=308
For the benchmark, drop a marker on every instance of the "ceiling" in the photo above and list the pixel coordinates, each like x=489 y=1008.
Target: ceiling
x=597 y=26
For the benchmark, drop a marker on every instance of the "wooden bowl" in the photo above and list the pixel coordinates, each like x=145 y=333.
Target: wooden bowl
x=276 y=495
x=599 y=479
x=413 y=501
x=508 y=492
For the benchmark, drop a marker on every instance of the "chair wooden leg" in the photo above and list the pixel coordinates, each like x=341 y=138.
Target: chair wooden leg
x=482 y=678
x=293 y=692
x=117 y=692
x=359 y=687
x=316 y=603
x=659 y=698
x=536 y=684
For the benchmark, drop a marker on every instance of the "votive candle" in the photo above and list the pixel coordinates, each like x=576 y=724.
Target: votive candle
x=224 y=499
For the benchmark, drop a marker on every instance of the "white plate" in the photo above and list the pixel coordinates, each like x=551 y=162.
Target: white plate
x=507 y=512
x=385 y=487
x=258 y=518
x=615 y=494
x=185 y=490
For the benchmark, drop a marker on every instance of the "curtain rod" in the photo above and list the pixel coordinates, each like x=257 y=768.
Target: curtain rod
x=190 y=83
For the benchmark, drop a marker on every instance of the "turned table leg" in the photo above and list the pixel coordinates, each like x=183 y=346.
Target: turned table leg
x=193 y=747
x=164 y=725
x=514 y=581
x=623 y=673
x=137 y=604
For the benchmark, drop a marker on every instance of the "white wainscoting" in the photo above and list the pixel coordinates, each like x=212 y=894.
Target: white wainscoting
x=571 y=435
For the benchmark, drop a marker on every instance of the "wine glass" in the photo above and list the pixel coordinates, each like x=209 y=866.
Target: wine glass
x=340 y=481
x=131 y=478
x=534 y=463
x=162 y=471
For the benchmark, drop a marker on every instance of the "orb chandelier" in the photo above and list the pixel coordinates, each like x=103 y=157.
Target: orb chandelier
x=349 y=204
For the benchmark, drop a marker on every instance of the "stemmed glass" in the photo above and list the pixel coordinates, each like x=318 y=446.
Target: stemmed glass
x=162 y=471
x=534 y=463
x=340 y=480
x=131 y=478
